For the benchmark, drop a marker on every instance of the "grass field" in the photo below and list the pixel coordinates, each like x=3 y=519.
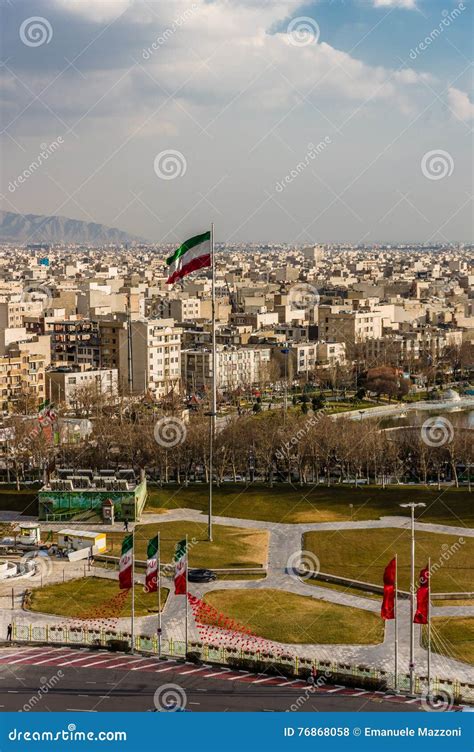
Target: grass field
x=87 y=597
x=284 y=503
x=343 y=589
x=363 y=555
x=286 y=617
x=231 y=546
x=453 y=636
x=453 y=602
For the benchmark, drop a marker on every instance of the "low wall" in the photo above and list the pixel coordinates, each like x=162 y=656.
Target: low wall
x=369 y=587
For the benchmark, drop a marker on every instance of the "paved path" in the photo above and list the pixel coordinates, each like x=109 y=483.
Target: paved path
x=284 y=549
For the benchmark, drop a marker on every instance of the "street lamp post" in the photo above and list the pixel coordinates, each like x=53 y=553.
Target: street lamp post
x=412 y=506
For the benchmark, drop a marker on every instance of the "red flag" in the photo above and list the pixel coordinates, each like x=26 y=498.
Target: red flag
x=388 y=603
x=422 y=598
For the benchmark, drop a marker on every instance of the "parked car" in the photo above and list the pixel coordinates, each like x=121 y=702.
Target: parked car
x=201 y=575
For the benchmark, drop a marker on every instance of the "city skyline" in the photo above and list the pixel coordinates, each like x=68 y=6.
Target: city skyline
x=294 y=122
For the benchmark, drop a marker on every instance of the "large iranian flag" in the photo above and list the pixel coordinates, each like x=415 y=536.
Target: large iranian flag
x=151 y=577
x=180 y=569
x=126 y=563
x=193 y=254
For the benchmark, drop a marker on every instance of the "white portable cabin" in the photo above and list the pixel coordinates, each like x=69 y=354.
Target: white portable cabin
x=75 y=540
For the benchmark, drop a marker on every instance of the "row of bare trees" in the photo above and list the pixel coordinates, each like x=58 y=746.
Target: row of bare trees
x=271 y=446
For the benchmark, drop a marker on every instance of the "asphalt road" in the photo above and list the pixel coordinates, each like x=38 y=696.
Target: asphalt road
x=95 y=690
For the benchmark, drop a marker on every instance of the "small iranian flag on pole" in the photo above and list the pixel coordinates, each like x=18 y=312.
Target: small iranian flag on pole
x=193 y=254
x=151 y=579
x=126 y=562
x=180 y=574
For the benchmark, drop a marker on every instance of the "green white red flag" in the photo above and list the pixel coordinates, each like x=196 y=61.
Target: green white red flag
x=126 y=563
x=193 y=254
x=151 y=577
x=180 y=569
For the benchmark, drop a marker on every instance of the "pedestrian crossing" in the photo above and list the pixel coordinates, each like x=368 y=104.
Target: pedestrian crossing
x=82 y=658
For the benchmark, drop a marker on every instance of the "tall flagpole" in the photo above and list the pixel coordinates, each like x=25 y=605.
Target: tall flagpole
x=133 y=594
x=429 y=627
x=396 y=623
x=186 y=604
x=212 y=416
x=412 y=602
x=159 y=595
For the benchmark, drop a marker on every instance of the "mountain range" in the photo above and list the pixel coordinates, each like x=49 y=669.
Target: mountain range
x=36 y=228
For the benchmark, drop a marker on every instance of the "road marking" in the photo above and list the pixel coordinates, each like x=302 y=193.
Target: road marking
x=287 y=683
x=410 y=702
x=218 y=673
x=13 y=691
x=51 y=658
x=127 y=663
x=360 y=692
x=169 y=668
x=234 y=677
x=267 y=678
x=147 y=665
x=193 y=670
x=29 y=656
x=83 y=695
x=95 y=663
x=76 y=660
x=337 y=688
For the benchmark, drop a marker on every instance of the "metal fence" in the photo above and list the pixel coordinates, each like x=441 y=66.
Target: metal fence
x=87 y=637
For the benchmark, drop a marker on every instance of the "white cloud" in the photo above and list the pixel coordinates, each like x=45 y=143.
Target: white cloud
x=395 y=4
x=95 y=10
x=460 y=104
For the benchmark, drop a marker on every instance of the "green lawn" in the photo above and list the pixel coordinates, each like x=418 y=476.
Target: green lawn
x=231 y=546
x=453 y=636
x=283 y=503
x=363 y=555
x=286 y=617
x=92 y=598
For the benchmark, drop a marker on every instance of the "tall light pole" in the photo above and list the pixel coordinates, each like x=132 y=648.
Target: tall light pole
x=412 y=506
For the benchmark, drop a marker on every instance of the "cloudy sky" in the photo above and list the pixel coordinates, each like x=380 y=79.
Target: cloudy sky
x=335 y=120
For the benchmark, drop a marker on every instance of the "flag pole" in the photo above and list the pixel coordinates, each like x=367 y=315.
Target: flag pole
x=396 y=623
x=212 y=416
x=159 y=595
x=186 y=603
x=429 y=627
x=133 y=594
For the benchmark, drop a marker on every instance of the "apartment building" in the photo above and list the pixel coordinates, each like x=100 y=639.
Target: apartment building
x=155 y=356
x=350 y=327
x=64 y=385
x=245 y=366
x=21 y=373
x=75 y=342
